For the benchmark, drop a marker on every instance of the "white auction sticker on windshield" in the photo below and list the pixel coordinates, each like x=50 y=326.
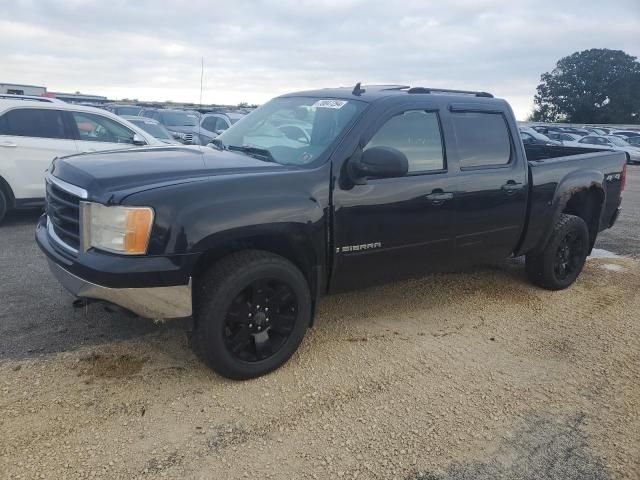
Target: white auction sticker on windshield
x=329 y=103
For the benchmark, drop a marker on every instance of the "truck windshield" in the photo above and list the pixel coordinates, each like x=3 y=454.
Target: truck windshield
x=294 y=130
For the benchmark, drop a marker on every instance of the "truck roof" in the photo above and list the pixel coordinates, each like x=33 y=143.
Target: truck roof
x=371 y=93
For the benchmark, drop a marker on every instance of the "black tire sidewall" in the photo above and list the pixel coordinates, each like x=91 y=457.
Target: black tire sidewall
x=3 y=205
x=578 y=225
x=212 y=312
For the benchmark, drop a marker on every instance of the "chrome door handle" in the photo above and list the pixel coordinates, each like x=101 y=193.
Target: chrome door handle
x=436 y=198
x=511 y=187
x=8 y=144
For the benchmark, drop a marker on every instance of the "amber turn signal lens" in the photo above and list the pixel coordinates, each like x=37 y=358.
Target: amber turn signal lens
x=136 y=236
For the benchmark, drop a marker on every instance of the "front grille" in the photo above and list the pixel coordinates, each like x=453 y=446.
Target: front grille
x=63 y=213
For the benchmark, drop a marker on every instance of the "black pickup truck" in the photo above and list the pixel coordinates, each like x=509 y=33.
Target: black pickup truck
x=314 y=193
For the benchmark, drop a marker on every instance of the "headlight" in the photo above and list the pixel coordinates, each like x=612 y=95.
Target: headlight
x=118 y=229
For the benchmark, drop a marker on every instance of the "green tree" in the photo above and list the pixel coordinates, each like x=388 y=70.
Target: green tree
x=592 y=86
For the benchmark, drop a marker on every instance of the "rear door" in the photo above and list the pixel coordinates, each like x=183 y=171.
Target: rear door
x=96 y=132
x=391 y=228
x=30 y=138
x=491 y=201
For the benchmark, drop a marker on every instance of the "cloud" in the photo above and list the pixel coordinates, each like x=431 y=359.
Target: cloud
x=254 y=50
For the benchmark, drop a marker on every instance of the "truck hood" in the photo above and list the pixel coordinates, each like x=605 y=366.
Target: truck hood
x=112 y=175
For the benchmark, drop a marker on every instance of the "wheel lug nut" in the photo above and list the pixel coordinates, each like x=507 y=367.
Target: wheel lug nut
x=250 y=325
x=250 y=315
x=259 y=328
x=266 y=309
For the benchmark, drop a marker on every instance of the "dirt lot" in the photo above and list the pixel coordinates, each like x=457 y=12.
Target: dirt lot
x=460 y=376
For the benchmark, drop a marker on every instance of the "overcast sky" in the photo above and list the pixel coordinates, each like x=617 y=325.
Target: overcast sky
x=254 y=50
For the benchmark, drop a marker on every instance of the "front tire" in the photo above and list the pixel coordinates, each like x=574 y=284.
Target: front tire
x=252 y=310
x=563 y=258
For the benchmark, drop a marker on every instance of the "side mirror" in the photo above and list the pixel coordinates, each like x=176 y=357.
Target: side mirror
x=138 y=140
x=381 y=162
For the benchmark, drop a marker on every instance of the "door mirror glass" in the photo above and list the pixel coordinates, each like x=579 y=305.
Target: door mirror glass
x=381 y=162
x=138 y=140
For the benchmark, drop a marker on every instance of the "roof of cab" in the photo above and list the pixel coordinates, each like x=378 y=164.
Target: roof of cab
x=371 y=93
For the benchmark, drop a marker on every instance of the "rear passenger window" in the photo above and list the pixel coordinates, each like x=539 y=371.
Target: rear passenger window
x=33 y=122
x=482 y=139
x=416 y=133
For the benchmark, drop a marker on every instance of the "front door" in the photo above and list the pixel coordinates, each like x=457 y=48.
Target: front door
x=396 y=227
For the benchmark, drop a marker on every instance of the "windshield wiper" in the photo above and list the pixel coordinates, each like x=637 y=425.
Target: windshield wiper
x=255 y=152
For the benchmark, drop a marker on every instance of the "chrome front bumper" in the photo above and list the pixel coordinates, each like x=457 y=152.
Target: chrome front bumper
x=158 y=303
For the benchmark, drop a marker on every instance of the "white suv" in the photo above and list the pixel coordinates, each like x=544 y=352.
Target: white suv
x=35 y=130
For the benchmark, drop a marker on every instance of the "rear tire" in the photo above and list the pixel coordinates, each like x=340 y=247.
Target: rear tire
x=251 y=311
x=4 y=205
x=563 y=258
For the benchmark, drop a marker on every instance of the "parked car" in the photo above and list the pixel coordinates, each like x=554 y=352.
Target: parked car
x=625 y=133
x=612 y=142
x=154 y=128
x=530 y=137
x=545 y=129
x=597 y=130
x=247 y=237
x=34 y=131
x=566 y=139
x=213 y=124
x=124 y=109
x=634 y=141
x=182 y=125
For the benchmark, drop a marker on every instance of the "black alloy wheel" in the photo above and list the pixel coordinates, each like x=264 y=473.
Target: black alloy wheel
x=569 y=255
x=260 y=319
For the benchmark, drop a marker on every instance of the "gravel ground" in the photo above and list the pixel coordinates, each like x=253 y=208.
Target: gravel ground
x=475 y=375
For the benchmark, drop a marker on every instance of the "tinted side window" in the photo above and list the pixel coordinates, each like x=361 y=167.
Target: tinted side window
x=209 y=124
x=415 y=133
x=221 y=124
x=33 y=122
x=482 y=139
x=95 y=128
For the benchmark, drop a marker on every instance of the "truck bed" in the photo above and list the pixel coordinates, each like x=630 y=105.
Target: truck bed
x=553 y=172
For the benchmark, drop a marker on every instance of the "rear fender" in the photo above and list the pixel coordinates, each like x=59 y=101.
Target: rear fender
x=570 y=186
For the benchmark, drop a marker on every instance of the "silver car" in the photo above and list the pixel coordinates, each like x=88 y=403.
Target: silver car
x=213 y=124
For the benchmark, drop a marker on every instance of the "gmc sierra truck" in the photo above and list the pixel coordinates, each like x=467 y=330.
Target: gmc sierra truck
x=314 y=193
